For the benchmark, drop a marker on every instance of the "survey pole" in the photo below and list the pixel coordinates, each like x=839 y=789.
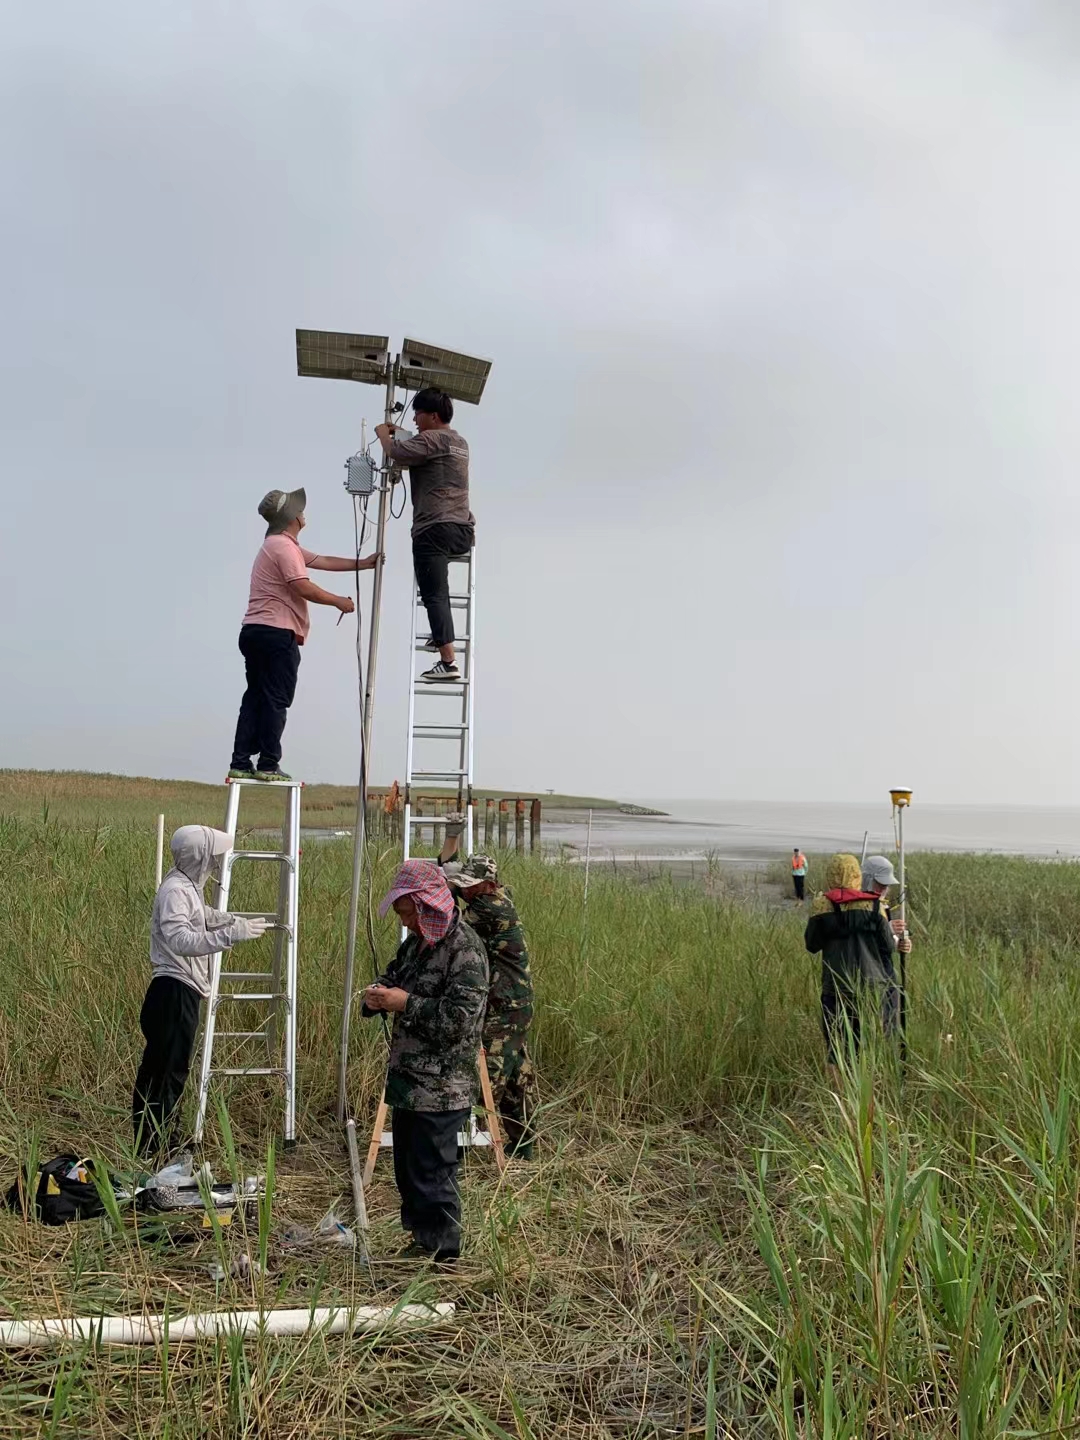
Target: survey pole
x=359 y=829
x=901 y=799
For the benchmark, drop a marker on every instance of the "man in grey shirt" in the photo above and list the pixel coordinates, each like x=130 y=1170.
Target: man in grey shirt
x=437 y=459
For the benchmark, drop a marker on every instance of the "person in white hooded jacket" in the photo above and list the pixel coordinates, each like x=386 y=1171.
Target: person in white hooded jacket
x=184 y=933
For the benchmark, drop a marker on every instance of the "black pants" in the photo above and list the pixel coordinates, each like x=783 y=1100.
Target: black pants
x=169 y=1020
x=271 y=661
x=431 y=550
x=800 y=886
x=845 y=1007
x=425 y=1168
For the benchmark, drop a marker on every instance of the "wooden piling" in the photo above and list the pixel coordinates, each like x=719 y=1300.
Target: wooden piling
x=489 y=823
x=534 y=827
x=504 y=824
x=519 y=826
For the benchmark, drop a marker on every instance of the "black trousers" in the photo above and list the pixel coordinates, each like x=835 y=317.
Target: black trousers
x=425 y=1168
x=431 y=550
x=271 y=662
x=799 y=882
x=169 y=1020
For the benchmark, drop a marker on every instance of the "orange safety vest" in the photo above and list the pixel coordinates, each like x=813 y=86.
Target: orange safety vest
x=798 y=862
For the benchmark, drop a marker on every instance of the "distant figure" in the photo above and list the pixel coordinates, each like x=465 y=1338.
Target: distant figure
x=184 y=933
x=436 y=988
x=798 y=874
x=437 y=459
x=856 y=943
x=488 y=906
x=274 y=628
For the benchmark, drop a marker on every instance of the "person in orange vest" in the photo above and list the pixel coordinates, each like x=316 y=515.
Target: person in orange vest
x=798 y=874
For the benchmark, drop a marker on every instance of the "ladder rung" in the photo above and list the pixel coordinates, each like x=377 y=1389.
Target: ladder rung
x=273 y=922
x=248 y=995
x=440 y=729
x=432 y=687
x=427 y=819
x=424 y=649
x=239 y=1034
x=246 y=975
x=247 y=1070
x=278 y=855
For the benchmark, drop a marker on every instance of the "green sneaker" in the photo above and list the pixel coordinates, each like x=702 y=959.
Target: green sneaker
x=237 y=774
x=271 y=775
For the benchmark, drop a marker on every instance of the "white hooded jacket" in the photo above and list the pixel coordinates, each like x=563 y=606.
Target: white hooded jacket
x=184 y=930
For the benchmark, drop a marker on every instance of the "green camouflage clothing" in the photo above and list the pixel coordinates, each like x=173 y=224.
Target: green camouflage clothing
x=437 y=1036
x=509 y=1010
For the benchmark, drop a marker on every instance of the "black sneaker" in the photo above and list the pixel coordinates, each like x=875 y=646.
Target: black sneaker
x=443 y=670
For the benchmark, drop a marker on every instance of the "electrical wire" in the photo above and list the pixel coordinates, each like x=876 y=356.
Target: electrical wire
x=360 y=528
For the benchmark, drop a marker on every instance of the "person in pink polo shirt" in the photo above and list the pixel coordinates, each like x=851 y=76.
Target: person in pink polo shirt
x=274 y=628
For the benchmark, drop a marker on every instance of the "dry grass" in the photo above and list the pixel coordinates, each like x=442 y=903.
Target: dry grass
x=709 y=1243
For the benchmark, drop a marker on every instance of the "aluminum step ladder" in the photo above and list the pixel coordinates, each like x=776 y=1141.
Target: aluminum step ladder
x=274 y=991
x=440 y=744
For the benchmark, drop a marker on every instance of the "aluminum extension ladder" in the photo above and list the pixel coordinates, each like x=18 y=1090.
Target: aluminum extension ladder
x=436 y=726
x=275 y=991
x=453 y=730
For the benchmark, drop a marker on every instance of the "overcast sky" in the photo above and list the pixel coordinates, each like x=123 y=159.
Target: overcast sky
x=775 y=476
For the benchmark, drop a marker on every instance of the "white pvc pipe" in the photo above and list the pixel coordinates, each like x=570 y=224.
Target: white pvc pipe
x=160 y=849
x=152 y=1329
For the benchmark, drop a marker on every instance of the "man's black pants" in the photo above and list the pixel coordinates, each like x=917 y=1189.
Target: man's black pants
x=271 y=661
x=169 y=1020
x=425 y=1168
x=431 y=550
x=800 y=886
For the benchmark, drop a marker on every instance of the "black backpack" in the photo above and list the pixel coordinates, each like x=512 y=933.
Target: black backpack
x=59 y=1196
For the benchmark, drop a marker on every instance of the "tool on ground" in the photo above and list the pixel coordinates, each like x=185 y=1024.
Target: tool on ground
x=383 y=1139
x=275 y=992
x=901 y=799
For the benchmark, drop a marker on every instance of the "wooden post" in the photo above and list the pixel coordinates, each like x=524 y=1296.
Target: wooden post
x=504 y=824
x=519 y=826
x=489 y=823
x=534 y=827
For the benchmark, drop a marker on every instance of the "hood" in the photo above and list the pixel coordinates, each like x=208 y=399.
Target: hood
x=195 y=848
x=842 y=877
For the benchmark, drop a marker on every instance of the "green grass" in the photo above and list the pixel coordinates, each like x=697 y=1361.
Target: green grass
x=80 y=798
x=710 y=1243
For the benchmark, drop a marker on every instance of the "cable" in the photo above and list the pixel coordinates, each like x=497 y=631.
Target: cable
x=359 y=532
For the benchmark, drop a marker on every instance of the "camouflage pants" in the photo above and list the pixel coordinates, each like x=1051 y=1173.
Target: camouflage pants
x=513 y=1079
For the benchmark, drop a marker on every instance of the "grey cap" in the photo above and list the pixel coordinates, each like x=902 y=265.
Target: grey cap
x=281 y=507
x=878 y=870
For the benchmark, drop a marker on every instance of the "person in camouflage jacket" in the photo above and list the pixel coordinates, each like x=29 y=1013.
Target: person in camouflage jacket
x=436 y=988
x=488 y=907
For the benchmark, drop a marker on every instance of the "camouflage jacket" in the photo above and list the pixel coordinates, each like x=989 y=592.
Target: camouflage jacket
x=496 y=921
x=437 y=1036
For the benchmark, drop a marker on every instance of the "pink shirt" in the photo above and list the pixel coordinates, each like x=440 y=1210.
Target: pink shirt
x=273 y=599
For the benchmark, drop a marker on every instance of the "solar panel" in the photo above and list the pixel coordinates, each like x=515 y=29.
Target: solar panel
x=334 y=355
x=463 y=377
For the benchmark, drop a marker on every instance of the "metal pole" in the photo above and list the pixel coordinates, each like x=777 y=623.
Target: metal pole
x=588 y=857
x=902 y=907
x=865 y=842
x=160 y=850
x=365 y=742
